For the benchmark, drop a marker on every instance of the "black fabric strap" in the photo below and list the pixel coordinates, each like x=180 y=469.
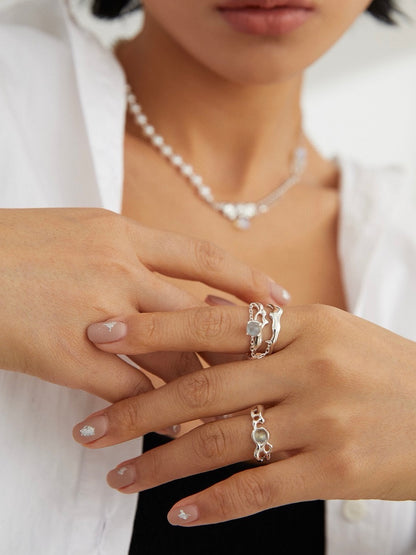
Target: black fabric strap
x=291 y=530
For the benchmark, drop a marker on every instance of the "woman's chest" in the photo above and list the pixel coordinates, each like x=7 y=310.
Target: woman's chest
x=295 y=242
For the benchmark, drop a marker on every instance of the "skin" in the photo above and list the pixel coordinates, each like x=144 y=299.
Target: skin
x=251 y=153
x=359 y=416
x=342 y=423
x=112 y=267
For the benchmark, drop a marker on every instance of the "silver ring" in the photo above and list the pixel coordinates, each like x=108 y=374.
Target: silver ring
x=260 y=435
x=257 y=321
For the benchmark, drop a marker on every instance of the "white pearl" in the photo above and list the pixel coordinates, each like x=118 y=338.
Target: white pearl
x=247 y=210
x=176 y=160
x=135 y=109
x=157 y=140
x=149 y=130
x=196 y=180
x=131 y=98
x=166 y=151
x=229 y=210
x=186 y=170
x=205 y=193
x=141 y=120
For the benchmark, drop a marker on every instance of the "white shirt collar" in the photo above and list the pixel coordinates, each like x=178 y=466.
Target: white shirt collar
x=101 y=86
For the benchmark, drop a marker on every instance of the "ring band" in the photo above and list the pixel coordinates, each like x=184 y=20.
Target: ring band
x=257 y=321
x=260 y=435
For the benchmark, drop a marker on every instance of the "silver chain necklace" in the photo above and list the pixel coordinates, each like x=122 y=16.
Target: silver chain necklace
x=239 y=213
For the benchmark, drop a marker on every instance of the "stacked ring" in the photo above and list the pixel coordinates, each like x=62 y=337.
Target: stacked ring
x=258 y=320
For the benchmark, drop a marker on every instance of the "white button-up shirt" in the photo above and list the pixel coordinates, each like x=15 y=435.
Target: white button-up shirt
x=62 y=105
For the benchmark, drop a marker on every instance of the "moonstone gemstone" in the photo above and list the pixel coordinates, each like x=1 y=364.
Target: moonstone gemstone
x=261 y=435
x=242 y=223
x=253 y=328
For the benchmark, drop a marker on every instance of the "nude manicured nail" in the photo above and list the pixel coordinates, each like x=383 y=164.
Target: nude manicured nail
x=181 y=516
x=171 y=431
x=91 y=430
x=215 y=301
x=122 y=477
x=107 y=332
x=279 y=294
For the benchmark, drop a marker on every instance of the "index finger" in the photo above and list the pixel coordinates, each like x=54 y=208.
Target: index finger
x=193 y=259
x=205 y=393
x=220 y=329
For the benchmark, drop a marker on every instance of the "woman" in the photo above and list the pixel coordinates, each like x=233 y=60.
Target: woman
x=244 y=70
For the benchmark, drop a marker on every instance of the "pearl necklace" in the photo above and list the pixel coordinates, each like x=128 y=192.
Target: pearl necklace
x=241 y=213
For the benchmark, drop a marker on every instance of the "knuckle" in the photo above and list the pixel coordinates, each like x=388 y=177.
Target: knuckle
x=209 y=323
x=210 y=442
x=180 y=364
x=147 y=333
x=209 y=256
x=222 y=501
x=108 y=222
x=323 y=316
x=323 y=363
x=150 y=468
x=126 y=418
x=254 y=492
x=344 y=466
x=239 y=494
x=195 y=390
x=141 y=385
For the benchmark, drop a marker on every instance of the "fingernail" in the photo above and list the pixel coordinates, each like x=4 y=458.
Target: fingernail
x=215 y=301
x=107 y=332
x=171 y=431
x=181 y=516
x=91 y=430
x=209 y=419
x=224 y=417
x=279 y=294
x=122 y=477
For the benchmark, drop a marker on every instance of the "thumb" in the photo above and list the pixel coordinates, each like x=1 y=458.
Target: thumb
x=112 y=379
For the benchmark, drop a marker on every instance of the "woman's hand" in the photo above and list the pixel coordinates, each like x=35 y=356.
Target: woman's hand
x=63 y=269
x=340 y=398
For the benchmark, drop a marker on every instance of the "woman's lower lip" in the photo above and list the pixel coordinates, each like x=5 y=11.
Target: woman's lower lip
x=272 y=21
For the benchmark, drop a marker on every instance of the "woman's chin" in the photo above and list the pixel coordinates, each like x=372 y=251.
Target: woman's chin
x=255 y=74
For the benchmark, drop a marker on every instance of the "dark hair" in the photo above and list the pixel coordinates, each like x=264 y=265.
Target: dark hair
x=380 y=9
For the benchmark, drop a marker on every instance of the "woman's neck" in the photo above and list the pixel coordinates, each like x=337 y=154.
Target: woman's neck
x=240 y=138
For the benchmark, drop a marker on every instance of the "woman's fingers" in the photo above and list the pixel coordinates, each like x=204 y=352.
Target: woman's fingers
x=156 y=294
x=251 y=491
x=219 y=329
x=168 y=365
x=205 y=448
x=219 y=390
x=182 y=257
x=110 y=378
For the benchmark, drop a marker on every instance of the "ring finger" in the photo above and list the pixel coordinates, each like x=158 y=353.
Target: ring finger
x=208 y=447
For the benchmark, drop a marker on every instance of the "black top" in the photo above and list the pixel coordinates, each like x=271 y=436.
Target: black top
x=291 y=530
